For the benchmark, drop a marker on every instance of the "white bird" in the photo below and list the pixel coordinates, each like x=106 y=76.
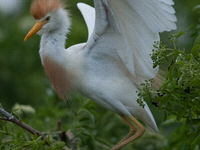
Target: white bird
x=115 y=60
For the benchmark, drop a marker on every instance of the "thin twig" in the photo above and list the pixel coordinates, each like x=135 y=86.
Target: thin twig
x=72 y=140
x=63 y=135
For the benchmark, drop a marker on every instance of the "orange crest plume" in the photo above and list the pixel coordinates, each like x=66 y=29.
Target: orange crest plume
x=40 y=8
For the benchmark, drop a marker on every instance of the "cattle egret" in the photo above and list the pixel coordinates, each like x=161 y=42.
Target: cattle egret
x=114 y=61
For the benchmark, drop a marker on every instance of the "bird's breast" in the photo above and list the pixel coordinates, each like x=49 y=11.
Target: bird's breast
x=59 y=77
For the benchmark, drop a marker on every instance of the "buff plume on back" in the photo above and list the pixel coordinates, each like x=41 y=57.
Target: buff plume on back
x=40 y=8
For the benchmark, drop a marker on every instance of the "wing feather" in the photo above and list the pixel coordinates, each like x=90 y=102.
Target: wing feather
x=88 y=13
x=139 y=23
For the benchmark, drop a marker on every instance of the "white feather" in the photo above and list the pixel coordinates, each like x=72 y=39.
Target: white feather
x=139 y=23
x=88 y=13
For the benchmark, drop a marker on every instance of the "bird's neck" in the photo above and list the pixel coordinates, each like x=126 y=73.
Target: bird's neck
x=53 y=57
x=52 y=45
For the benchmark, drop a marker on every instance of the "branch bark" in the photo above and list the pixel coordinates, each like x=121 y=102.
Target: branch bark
x=13 y=119
x=16 y=121
x=72 y=140
x=63 y=135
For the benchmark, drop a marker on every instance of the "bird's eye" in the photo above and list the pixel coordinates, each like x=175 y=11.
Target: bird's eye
x=47 y=18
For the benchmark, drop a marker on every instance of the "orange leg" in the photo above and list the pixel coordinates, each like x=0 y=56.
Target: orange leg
x=132 y=131
x=131 y=135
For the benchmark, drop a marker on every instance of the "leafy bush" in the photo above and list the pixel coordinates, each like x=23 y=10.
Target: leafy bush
x=179 y=94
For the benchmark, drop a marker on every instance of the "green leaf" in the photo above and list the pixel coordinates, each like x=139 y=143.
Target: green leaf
x=59 y=144
x=194 y=49
x=49 y=139
x=35 y=136
x=195 y=81
x=175 y=96
x=15 y=110
x=20 y=134
x=165 y=116
x=180 y=82
x=191 y=139
x=181 y=63
x=179 y=34
x=3 y=145
x=34 y=142
x=167 y=58
x=181 y=113
x=1 y=106
x=165 y=84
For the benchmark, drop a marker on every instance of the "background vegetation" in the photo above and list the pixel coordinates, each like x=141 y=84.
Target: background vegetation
x=23 y=82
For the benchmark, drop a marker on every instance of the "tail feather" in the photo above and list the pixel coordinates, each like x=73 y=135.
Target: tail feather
x=151 y=124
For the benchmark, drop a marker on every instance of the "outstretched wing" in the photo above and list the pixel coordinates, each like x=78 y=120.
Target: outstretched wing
x=138 y=22
x=88 y=13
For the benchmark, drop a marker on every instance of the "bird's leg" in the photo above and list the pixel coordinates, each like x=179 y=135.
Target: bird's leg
x=132 y=131
x=130 y=137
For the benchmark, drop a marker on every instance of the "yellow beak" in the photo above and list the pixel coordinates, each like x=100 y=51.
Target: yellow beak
x=37 y=27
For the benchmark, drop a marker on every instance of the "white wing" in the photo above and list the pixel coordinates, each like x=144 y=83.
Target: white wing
x=88 y=13
x=138 y=22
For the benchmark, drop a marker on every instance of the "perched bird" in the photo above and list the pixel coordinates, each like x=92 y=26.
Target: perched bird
x=114 y=61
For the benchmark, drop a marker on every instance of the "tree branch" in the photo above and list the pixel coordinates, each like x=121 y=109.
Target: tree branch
x=13 y=119
x=16 y=121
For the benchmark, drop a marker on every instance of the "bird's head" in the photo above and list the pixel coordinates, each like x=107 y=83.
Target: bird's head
x=50 y=16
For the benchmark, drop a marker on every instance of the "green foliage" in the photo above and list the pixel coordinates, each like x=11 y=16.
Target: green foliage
x=181 y=134
x=79 y=120
x=179 y=94
x=21 y=140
